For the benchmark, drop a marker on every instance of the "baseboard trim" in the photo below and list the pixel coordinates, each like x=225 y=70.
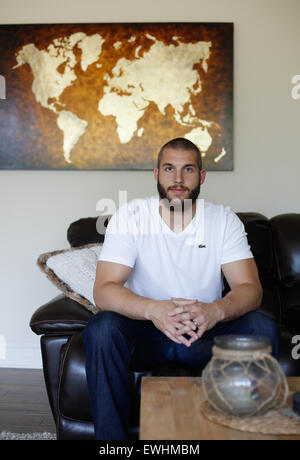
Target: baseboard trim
x=20 y=355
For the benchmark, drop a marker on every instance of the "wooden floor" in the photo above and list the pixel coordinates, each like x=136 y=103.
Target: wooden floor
x=24 y=406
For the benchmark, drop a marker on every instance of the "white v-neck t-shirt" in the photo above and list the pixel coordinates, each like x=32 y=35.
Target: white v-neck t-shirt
x=166 y=264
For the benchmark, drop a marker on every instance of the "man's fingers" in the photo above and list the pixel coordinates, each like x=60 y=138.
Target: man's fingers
x=181 y=308
x=180 y=340
x=171 y=337
x=188 y=326
x=201 y=330
x=177 y=311
x=172 y=334
x=198 y=334
x=189 y=329
x=184 y=316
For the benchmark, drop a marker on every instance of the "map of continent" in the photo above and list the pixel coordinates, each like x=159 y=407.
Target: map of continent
x=49 y=84
x=114 y=97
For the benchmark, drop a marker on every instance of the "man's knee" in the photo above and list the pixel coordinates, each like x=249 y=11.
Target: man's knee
x=260 y=324
x=101 y=327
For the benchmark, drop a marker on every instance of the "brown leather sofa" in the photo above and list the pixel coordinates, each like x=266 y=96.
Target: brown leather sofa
x=276 y=247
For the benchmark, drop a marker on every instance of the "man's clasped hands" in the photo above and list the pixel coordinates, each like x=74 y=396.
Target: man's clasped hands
x=181 y=318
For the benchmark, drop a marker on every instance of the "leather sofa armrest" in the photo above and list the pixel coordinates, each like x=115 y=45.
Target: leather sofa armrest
x=60 y=316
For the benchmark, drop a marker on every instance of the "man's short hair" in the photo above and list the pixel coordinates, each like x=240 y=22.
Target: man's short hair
x=180 y=143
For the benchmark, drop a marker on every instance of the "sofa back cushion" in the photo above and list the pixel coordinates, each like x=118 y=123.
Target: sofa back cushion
x=259 y=236
x=87 y=230
x=286 y=241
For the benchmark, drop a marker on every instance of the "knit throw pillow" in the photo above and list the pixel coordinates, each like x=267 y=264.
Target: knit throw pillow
x=73 y=271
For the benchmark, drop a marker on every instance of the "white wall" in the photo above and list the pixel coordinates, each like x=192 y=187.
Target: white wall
x=36 y=207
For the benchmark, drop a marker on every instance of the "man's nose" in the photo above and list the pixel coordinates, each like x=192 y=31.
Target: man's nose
x=178 y=177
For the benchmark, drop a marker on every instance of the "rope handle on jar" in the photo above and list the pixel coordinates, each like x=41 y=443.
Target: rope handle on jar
x=284 y=382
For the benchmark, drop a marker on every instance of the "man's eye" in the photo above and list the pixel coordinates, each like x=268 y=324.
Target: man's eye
x=168 y=168
x=189 y=169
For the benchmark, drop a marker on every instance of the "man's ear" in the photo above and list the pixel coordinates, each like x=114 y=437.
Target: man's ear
x=155 y=172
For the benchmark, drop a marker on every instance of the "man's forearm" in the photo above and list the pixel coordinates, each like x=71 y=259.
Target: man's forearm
x=115 y=297
x=239 y=301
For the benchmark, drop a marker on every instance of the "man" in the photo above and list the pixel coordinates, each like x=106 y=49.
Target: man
x=171 y=251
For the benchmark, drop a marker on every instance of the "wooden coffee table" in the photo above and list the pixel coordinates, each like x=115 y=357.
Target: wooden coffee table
x=170 y=410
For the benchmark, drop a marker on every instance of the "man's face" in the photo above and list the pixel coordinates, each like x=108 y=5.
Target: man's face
x=178 y=177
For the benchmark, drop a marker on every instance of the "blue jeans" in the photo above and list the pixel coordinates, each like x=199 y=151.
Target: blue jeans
x=116 y=345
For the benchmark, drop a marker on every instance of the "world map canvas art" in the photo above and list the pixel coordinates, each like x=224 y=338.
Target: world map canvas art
x=108 y=96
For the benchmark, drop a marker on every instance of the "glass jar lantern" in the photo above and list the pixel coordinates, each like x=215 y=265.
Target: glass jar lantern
x=242 y=378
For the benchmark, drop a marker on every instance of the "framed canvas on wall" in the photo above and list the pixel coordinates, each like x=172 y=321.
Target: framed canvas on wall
x=108 y=96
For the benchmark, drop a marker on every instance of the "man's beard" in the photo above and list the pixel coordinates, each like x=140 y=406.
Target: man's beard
x=182 y=205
